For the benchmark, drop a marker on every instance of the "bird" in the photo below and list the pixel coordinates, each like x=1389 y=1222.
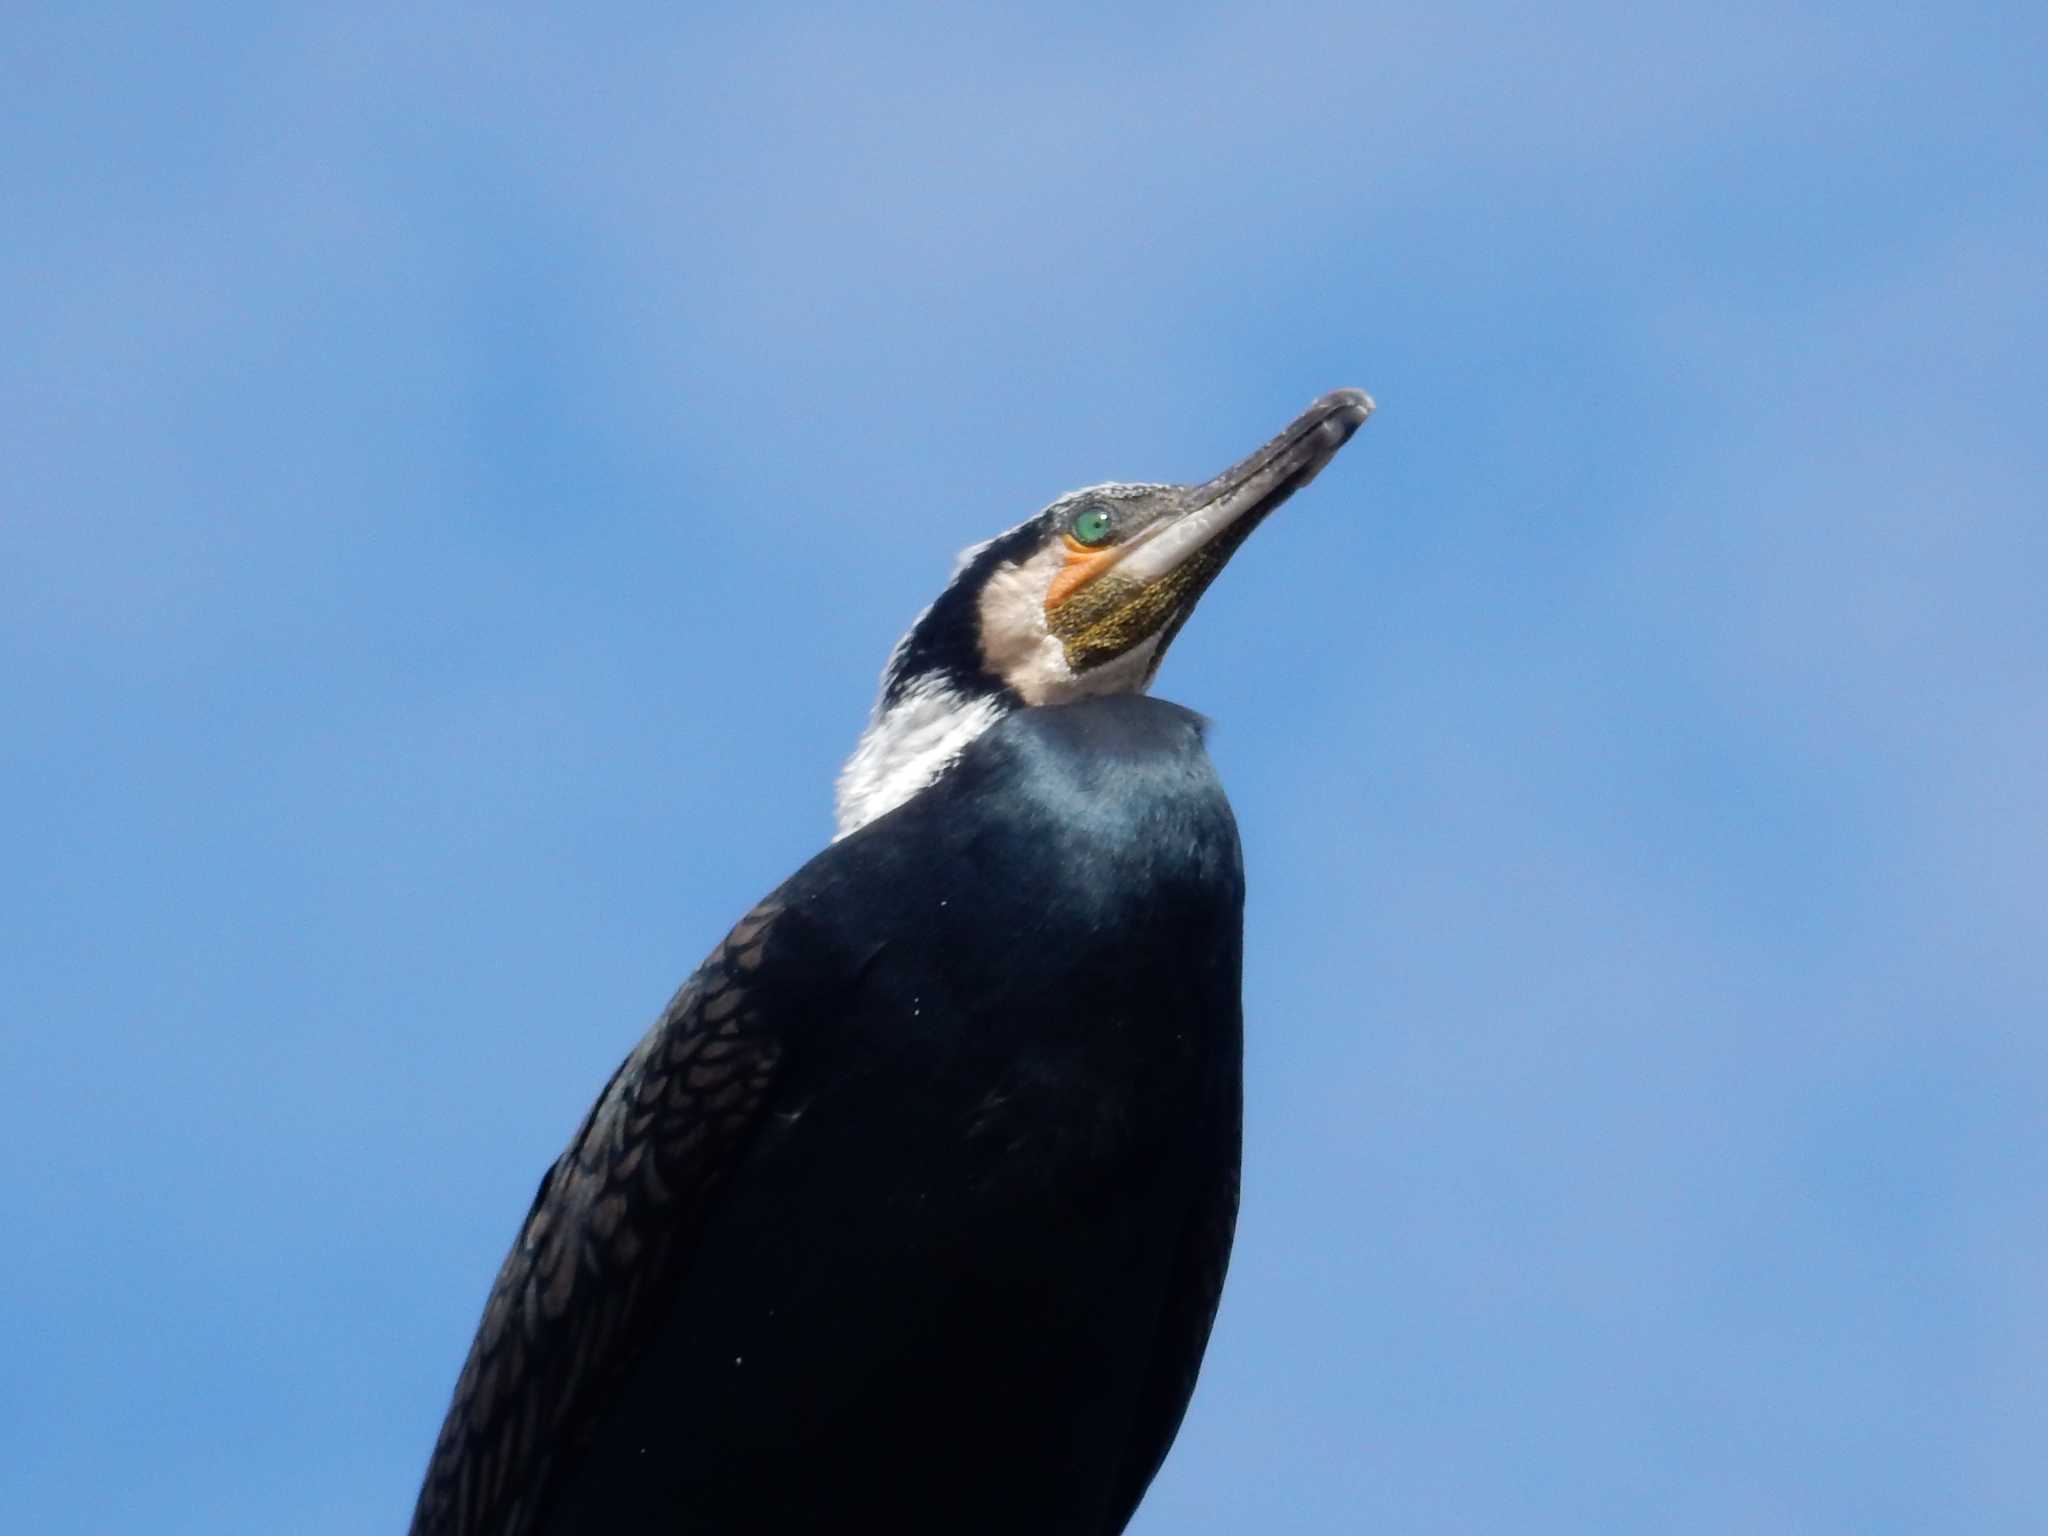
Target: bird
x=911 y=1210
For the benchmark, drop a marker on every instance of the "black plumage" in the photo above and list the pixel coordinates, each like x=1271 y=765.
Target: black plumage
x=911 y=1211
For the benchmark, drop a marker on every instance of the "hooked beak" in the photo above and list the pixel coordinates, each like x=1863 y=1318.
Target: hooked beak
x=1149 y=585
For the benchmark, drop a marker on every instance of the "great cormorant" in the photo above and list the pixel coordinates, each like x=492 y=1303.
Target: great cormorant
x=911 y=1211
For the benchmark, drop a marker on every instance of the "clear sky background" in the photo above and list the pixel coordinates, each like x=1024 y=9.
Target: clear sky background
x=461 y=471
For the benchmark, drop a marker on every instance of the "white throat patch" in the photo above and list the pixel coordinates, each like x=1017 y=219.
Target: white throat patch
x=1018 y=647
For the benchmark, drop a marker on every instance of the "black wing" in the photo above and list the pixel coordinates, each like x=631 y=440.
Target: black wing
x=612 y=1220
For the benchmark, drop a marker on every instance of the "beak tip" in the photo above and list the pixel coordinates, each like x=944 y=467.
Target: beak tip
x=1343 y=412
x=1349 y=405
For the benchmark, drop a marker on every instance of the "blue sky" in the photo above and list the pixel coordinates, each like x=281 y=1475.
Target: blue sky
x=464 y=469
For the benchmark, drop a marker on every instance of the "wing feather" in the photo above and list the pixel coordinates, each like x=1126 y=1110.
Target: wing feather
x=611 y=1222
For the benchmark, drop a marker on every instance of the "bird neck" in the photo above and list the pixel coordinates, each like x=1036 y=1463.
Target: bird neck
x=911 y=739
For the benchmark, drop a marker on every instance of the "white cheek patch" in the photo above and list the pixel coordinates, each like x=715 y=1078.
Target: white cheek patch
x=1015 y=644
x=1018 y=648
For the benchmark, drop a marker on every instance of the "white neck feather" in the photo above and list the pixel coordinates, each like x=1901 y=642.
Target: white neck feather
x=907 y=745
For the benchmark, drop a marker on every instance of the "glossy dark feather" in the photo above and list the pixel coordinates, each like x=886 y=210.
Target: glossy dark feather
x=1186 y=1315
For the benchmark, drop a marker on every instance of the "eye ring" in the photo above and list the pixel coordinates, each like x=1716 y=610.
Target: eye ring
x=1092 y=526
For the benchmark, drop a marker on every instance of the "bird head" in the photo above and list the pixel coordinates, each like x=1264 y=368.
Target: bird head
x=1076 y=602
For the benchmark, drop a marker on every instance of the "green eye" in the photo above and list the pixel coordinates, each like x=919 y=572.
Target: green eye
x=1092 y=526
